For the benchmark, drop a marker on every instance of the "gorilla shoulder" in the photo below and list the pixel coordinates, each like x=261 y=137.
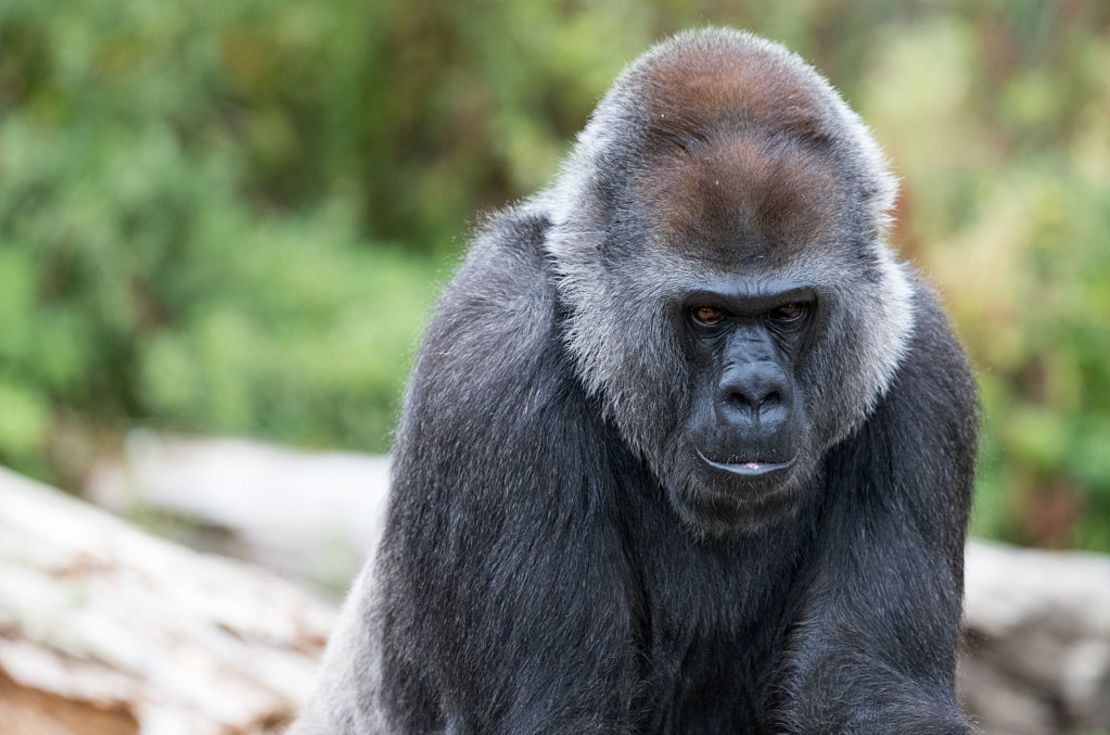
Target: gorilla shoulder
x=494 y=322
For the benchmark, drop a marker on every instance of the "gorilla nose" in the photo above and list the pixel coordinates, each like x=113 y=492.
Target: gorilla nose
x=757 y=392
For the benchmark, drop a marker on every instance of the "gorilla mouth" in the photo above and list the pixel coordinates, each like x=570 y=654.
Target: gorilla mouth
x=750 y=468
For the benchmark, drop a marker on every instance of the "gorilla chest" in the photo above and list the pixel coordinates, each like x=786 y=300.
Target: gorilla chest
x=705 y=685
x=709 y=642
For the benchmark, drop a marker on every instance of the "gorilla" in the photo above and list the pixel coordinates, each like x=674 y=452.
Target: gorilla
x=686 y=449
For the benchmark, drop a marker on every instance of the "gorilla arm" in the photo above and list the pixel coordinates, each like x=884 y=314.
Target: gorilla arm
x=496 y=606
x=886 y=596
x=345 y=701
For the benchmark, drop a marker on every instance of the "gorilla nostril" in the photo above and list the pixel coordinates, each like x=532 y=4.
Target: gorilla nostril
x=745 y=399
x=771 y=399
x=757 y=391
x=755 y=401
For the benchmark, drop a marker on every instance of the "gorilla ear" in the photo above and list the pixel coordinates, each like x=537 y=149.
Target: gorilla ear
x=705 y=86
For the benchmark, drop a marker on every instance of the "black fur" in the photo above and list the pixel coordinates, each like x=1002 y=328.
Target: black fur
x=534 y=576
x=538 y=582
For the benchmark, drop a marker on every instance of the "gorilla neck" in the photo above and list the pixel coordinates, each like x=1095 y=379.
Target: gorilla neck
x=691 y=598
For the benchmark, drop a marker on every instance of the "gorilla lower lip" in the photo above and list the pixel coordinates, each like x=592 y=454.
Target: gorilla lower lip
x=750 y=468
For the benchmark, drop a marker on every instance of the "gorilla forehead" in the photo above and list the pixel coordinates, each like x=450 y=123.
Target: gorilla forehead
x=711 y=82
x=743 y=197
x=741 y=147
x=730 y=149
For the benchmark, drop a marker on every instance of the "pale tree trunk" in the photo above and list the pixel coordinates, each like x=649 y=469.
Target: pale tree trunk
x=106 y=630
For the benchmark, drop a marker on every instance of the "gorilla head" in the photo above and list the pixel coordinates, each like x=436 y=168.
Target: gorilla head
x=719 y=234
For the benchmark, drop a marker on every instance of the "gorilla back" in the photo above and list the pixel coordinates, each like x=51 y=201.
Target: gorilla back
x=686 y=450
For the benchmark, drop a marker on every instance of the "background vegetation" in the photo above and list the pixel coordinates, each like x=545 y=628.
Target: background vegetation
x=233 y=216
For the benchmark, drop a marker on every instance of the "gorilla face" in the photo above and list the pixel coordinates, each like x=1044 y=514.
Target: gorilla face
x=743 y=450
x=751 y=209
x=731 y=297
x=737 y=218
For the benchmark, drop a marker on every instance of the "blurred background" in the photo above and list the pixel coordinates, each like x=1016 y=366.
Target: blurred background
x=230 y=218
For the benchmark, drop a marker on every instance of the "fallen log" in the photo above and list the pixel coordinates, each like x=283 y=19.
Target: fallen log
x=107 y=630
x=307 y=515
x=1036 y=659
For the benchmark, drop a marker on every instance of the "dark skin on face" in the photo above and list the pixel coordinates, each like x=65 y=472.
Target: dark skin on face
x=745 y=341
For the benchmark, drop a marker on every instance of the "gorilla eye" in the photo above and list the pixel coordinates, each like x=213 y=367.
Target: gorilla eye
x=789 y=313
x=708 y=315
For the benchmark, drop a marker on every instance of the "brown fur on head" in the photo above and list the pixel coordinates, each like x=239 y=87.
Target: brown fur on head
x=711 y=87
x=740 y=141
x=744 y=196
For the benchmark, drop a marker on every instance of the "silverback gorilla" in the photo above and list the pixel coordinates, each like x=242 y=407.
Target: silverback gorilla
x=686 y=449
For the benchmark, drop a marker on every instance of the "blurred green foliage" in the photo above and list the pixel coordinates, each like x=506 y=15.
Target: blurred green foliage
x=233 y=216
